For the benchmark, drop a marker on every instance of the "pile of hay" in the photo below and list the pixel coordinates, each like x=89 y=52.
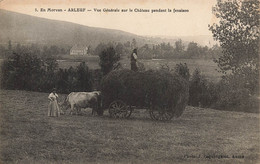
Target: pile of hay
x=146 y=89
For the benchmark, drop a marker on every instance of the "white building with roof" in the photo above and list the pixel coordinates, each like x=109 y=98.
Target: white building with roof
x=79 y=50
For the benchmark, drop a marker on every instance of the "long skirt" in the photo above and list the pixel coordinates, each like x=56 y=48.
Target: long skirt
x=53 y=109
x=134 y=66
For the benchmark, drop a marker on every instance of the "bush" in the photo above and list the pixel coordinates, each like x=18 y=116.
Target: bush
x=235 y=96
x=48 y=79
x=140 y=66
x=146 y=89
x=83 y=78
x=79 y=79
x=22 y=71
x=202 y=92
x=96 y=78
x=109 y=60
x=28 y=72
x=182 y=70
x=231 y=93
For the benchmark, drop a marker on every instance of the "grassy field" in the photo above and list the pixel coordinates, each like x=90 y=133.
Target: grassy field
x=67 y=61
x=206 y=66
x=198 y=136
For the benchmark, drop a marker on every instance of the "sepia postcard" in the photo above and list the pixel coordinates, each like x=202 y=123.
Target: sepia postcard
x=141 y=81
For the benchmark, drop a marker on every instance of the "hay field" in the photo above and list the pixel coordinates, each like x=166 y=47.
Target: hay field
x=206 y=66
x=198 y=136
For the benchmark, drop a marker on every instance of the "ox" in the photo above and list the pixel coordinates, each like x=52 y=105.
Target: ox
x=80 y=100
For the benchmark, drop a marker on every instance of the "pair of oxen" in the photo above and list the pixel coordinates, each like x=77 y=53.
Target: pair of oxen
x=75 y=101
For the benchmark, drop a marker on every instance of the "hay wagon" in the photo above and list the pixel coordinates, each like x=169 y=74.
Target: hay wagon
x=164 y=94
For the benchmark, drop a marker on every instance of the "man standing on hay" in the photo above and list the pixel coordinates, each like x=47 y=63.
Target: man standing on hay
x=134 y=60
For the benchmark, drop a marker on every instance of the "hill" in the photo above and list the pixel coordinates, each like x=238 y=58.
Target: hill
x=27 y=29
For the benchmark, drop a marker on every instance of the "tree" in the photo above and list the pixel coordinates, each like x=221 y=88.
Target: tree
x=119 y=48
x=90 y=50
x=127 y=44
x=2 y=51
x=9 y=50
x=50 y=64
x=238 y=34
x=182 y=70
x=179 y=47
x=145 y=52
x=193 y=50
x=9 y=45
x=100 y=47
x=198 y=89
x=18 y=48
x=84 y=79
x=54 y=50
x=215 y=52
x=134 y=44
x=109 y=60
x=21 y=71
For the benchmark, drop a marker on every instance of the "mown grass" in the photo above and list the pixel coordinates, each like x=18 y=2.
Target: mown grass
x=29 y=136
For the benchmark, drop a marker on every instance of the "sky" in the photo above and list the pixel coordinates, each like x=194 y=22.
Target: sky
x=192 y=23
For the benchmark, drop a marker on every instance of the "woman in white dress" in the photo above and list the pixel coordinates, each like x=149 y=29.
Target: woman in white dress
x=53 y=108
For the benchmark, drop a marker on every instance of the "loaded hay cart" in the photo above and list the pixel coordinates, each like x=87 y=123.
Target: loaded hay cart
x=163 y=93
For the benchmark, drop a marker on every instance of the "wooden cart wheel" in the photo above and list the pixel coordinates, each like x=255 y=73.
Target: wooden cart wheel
x=161 y=114
x=118 y=109
x=129 y=111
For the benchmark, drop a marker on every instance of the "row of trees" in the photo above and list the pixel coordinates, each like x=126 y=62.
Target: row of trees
x=193 y=50
x=55 y=51
x=41 y=51
x=26 y=71
x=164 y=50
x=121 y=48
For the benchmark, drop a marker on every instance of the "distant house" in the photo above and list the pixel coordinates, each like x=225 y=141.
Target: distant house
x=79 y=50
